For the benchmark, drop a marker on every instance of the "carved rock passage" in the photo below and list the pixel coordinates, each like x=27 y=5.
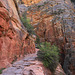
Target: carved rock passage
x=54 y=21
x=14 y=39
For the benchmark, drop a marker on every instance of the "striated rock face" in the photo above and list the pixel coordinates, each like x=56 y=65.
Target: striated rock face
x=59 y=70
x=54 y=21
x=14 y=39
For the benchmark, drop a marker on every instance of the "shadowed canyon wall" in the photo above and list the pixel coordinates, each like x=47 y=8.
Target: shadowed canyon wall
x=54 y=21
x=15 y=41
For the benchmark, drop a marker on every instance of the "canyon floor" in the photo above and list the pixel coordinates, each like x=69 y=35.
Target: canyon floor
x=29 y=65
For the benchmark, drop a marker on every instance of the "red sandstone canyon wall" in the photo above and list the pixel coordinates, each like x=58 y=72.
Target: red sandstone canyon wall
x=15 y=41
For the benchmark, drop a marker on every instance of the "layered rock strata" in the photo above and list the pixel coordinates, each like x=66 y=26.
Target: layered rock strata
x=15 y=41
x=54 y=21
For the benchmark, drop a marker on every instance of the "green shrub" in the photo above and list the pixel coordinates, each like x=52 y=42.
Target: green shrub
x=15 y=59
x=39 y=6
x=49 y=55
x=37 y=40
x=1 y=70
x=26 y=23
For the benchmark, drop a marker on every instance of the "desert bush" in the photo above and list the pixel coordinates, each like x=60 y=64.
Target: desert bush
x=1 y=70
x=26 y=23
x=15 y=59
x=49 y=55
x=37 y=40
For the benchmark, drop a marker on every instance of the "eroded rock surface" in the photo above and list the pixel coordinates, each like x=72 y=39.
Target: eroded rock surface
x=15 y=41
x=54 y=21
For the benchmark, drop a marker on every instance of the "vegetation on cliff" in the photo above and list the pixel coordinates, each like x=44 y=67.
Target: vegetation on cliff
x=1 y=70
x=26 y=23
x=49 y=55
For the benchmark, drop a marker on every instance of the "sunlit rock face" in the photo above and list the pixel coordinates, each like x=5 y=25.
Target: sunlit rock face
x=30 y=2
x=15 y=41
x=54 y=21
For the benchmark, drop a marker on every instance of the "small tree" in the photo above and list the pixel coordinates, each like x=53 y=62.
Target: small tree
x=49 y=55
x=37 y=40
x=1 y=70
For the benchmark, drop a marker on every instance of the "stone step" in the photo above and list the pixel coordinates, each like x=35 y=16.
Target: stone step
x=28 y=64
x=18 y=71
x=29 y=59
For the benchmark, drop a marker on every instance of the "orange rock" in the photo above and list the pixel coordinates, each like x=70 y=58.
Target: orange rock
x=14 y=40
x=30 y=2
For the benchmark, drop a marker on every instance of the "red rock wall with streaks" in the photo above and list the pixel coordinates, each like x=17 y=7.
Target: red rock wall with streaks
x=15 y=41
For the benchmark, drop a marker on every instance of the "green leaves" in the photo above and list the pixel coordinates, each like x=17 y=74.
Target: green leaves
x=26 y=23
x=1 y=70
x=37 y=40
x=49 y=55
